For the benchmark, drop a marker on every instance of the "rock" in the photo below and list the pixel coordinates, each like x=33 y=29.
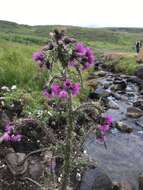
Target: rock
x=138 y=104
x=36 y=169
x=136 y=80
x=139 y=122
x=123 y=185
x=107 y=85
x=115 y=186
x=101 y=73
x=99 y=92
x=95 y=179
x=120 y=85
x=116 y=95
x=123 y=127
x=92 y=83
x=140 y=56
x=112 y=104
x=134 y=112
x=92 y=95
x=139 y=72
x=140 y=181
x=141 y=92
x=13 y=159
x=129 y=89
x=98 y=64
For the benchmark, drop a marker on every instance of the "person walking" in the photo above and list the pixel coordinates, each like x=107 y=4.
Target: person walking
x=138 y=46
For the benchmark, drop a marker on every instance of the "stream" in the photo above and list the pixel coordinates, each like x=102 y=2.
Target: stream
x=123 y=158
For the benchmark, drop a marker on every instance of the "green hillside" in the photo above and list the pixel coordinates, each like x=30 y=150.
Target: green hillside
x=100 y=38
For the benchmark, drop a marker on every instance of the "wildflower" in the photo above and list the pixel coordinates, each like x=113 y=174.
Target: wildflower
x=85 y=66
x=39 y=57
x=5 y=137
x=90 y=55
x=80 y=49
x=67 y=84
x=55 y=88
x=108 y=120
x=75 y=89
x=104 y=128
x=85 y=54
x=16 y=138
x=63 y=94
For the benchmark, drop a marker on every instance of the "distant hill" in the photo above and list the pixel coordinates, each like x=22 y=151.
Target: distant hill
x=20 y=33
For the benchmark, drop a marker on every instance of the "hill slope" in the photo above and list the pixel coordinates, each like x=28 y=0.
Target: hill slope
x=110 y=38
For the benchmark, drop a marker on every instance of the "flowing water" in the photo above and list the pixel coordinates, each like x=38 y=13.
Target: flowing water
x=123 y=158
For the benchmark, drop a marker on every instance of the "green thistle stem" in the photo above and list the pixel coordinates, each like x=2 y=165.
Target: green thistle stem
x=67 y=163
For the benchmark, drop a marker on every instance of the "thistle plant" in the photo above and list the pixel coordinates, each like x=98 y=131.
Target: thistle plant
x=66 y=54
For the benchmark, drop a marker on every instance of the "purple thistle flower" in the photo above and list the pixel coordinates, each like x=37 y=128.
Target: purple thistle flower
x=85 y=66
x=16 y=138
x=38 y=57
x=75 y=89
x=80 y=49
x=108 y=120
x=63 y=94
x=85 y=54
x=90 y=56
x=67 y=84
x=5 y=137
x=104 y=128
x=55 y=89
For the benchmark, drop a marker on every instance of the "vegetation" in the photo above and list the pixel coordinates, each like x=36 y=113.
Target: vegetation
x=18 y=42
x=67 y=118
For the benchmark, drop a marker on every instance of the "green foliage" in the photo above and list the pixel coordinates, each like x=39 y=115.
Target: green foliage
x=126 y=65
x=17 y=67
x=35 y=105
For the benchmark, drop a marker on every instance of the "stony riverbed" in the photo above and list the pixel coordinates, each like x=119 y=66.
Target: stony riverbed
x=122 y=160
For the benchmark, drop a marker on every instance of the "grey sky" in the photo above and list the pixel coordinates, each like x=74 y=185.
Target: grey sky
x=124 y=13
